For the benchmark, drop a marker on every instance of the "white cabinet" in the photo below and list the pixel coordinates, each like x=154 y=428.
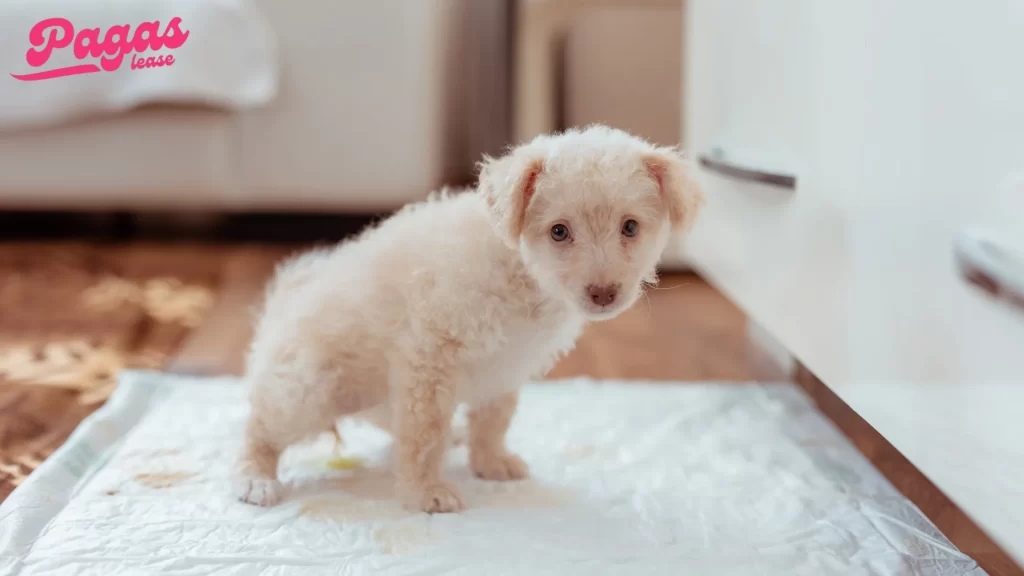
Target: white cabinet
x=902 y=124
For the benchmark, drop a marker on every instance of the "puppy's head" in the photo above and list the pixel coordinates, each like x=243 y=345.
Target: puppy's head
x=590 y=211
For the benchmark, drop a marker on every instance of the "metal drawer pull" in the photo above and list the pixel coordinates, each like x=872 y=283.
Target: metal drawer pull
x=717 y=163
x=994 y=266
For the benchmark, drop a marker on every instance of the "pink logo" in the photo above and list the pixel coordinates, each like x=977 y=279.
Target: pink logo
x=58 y=33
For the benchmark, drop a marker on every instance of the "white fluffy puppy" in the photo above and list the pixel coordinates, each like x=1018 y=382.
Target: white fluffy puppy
x=460 y=299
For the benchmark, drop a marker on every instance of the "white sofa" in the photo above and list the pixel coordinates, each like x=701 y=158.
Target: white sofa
x=378 y=103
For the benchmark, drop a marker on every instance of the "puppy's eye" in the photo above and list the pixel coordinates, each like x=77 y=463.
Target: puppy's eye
x=629 y=228
x=559 y=233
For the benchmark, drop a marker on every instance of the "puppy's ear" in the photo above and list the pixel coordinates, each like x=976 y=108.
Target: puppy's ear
x=680 y=194
x=507 y=184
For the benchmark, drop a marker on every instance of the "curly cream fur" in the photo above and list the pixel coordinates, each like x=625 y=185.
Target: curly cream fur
x=458 y=299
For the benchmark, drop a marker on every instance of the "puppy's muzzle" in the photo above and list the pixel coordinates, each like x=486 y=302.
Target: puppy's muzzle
x=603 y=294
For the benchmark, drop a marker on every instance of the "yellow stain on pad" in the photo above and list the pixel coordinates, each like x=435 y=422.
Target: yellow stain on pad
x=340 y=462
x=344 y=463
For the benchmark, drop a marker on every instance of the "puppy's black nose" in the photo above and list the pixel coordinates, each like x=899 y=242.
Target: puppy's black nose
x=603 y=295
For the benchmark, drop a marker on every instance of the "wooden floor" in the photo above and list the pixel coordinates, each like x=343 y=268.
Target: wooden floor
x=684 y=330
x=72 y=316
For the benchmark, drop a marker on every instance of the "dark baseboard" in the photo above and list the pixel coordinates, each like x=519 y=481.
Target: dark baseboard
x=262 y=228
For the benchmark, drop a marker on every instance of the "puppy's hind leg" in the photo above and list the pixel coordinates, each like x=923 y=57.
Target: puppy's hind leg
x=255 y=480
x=283 y=413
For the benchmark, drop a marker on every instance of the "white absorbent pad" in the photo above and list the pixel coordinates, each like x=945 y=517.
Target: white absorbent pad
x=228 y=59
x=627 y=478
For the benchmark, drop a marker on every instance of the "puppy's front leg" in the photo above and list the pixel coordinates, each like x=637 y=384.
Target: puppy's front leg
x=488 y=456
x=423 y=403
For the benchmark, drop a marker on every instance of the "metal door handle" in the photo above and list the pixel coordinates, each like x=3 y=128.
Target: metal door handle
x=716 y=161
x=992 y=264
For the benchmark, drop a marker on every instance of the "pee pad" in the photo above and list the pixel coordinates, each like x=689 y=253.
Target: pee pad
x=627 y=478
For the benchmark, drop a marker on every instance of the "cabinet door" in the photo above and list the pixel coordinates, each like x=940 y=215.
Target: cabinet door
x=903 y=130
x=751 y=101
x=932 y=363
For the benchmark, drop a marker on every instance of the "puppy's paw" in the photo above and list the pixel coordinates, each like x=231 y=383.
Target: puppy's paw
x=498 y=466
x=258 y=490
x=438 y=498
